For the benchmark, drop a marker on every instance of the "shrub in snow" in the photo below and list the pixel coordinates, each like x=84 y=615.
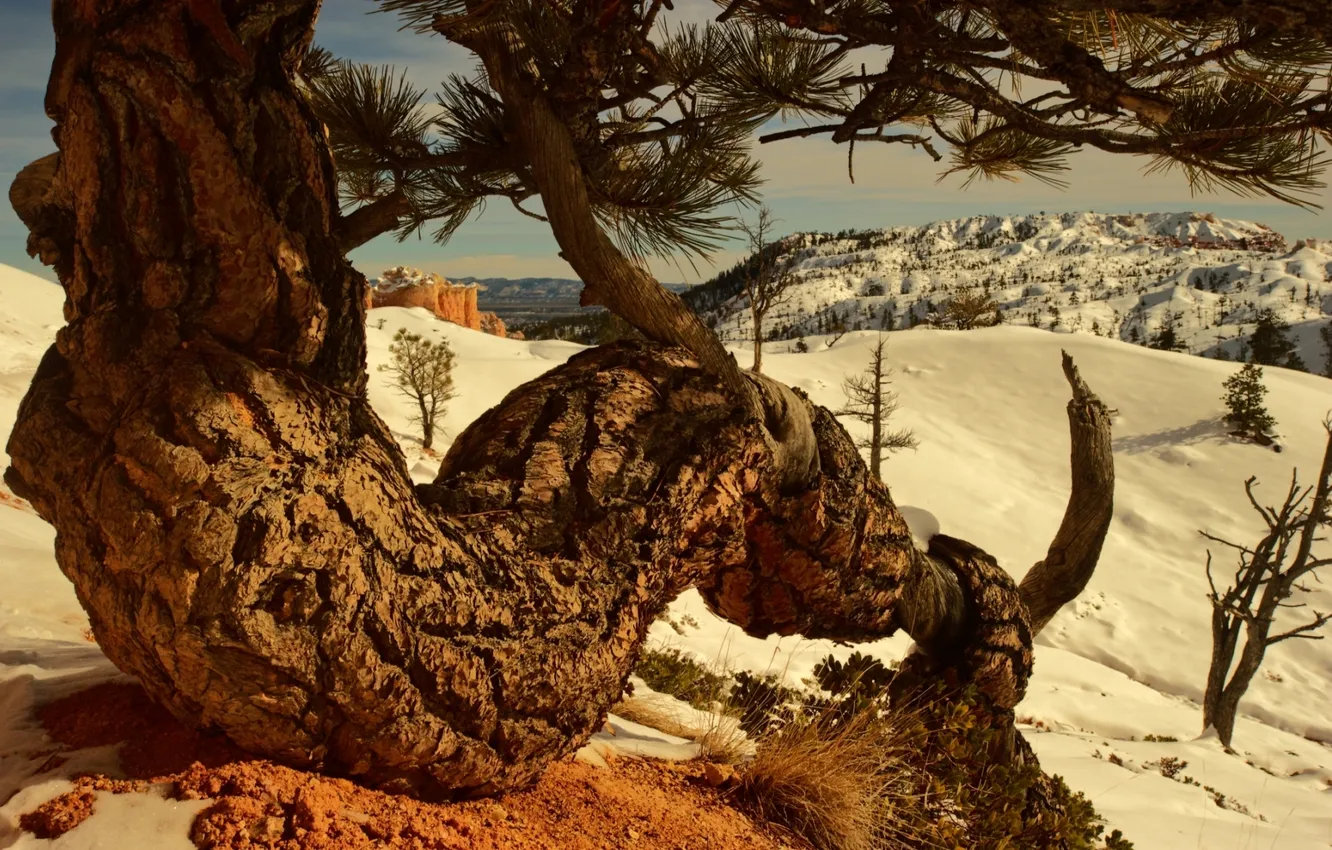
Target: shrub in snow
x=670 y=671
x=1244 y=401
x=967 y=310
x=856 y=770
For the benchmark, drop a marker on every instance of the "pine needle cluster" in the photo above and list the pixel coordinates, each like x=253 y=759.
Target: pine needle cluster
x=1236 y=96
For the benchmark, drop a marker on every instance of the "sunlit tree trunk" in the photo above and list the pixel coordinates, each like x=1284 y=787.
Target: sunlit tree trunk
x=241 y=526
x=758 y=341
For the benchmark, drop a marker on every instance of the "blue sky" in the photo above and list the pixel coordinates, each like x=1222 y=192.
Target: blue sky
x=807 y=184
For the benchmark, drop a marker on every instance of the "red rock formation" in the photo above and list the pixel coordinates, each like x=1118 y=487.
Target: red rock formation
x=404 y=287
x=492 y=324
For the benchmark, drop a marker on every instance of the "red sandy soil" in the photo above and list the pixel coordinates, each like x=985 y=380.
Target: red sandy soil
x=634 y=803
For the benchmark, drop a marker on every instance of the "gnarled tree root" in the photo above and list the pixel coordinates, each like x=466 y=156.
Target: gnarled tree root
x=241 y=527
x=248 y=545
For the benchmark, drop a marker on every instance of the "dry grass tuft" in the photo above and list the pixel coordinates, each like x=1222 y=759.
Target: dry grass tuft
x=720 y=738
x=840 y=784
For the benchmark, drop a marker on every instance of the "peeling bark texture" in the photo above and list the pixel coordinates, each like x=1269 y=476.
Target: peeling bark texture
x=1072 y=557
x=241 y=527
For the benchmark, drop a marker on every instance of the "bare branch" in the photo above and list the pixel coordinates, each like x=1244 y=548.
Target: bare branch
x=1318 y=512
x=371 y=220
x=1264 y=569
x=1267 y=513
x=798 y=133
x=1224 y=542
x=1303 y=631
x=1216 y=594
x=518 y=205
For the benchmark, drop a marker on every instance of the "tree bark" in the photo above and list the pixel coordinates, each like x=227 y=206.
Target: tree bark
x=241 y=526
x=1226 y=708
x=758 y=341
x=876 y=411
x=1076 y=548
x=427 y=427
x=1225 y=640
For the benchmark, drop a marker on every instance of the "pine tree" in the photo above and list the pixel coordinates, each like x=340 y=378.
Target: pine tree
x=423 y=371
x=1166 y=338
x=634 y=139
x=1244 y=402
x=1325 y=334
x=1271 y=344
x=870 y=401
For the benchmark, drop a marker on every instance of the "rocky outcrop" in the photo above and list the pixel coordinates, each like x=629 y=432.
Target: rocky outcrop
x=492 y=324
x=407 y=287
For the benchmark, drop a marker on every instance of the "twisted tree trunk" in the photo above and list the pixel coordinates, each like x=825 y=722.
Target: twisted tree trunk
x=241 y=527
x=758 y=340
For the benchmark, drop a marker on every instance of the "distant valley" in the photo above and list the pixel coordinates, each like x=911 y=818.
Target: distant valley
x=521 y=301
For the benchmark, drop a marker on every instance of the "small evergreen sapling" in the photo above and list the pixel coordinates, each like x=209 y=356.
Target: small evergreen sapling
x=869 y=400
x=423 y=371
x=1166 y=338
x=1244 y=399
x=1325 y=334
x=1271 y=343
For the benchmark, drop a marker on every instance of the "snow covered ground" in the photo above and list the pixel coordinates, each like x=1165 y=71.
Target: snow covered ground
x=1119 y=276
x=1125 y=661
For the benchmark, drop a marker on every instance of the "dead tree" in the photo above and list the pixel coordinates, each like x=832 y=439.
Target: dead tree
x=768 y=276
x=1268 y=575
x=868 y=400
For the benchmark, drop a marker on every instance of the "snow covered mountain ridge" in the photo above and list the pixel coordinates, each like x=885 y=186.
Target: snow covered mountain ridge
x=1122 y=276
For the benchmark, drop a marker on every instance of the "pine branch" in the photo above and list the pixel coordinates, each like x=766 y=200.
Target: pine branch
x=367 y=222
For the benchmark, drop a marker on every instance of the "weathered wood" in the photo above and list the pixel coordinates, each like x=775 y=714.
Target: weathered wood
x=1076 y=548
x=241 y=526
x=1268 y=574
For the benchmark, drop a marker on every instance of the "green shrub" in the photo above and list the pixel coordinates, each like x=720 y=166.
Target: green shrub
x=670 y=671
x=940 y=751
x=1244 y=401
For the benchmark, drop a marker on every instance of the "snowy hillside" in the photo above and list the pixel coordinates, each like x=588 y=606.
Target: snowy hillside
x=1119 y=276
x=1125 y=661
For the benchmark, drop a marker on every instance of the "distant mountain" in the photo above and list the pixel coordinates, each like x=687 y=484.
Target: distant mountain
x=533 y=299
x=1121 y=276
